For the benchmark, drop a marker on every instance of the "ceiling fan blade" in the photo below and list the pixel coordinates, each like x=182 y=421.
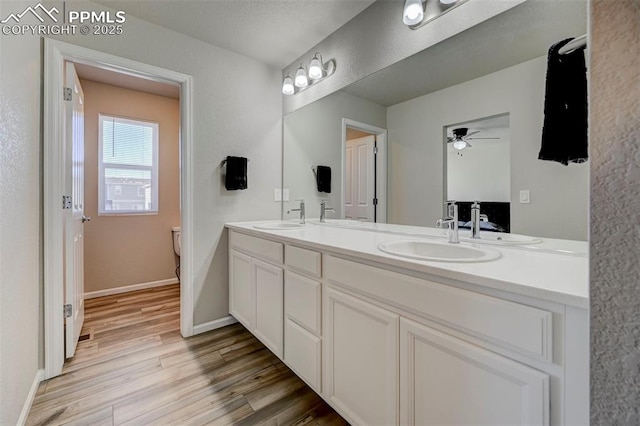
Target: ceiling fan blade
x=472 y=133
x=469 y=145
x=484 y=138
x=450 y=139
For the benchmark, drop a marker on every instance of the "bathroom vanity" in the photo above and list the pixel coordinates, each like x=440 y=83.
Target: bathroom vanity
x=387 y=339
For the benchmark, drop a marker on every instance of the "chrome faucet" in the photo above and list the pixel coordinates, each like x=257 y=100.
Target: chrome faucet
x=301 y=210
x=324 y=209
x=476 y=218
x=451 y=221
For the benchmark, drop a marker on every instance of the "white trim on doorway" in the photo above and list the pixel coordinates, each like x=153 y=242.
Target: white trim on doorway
x=381 y=181
x=128 y=288
x=56 y=53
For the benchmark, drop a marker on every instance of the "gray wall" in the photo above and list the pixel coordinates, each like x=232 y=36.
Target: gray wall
x=20 y=217
x=377 y=38
x=559 y=194
x=615 y=203
x=237 y=107
x=313 y=136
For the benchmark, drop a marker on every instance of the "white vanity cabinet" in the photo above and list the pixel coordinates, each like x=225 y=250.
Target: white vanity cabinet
x=256 y=288
x=447 y=381
x=387 y=346
x=303 y=308
x=360 y=359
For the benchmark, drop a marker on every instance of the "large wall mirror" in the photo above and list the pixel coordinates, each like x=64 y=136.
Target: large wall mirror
x=389 y=138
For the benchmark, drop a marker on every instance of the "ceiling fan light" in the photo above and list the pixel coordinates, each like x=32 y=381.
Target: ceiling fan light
x=460 y=144
x=287 y=86
x=413 y=12
x=315 y=68
x=301 y=78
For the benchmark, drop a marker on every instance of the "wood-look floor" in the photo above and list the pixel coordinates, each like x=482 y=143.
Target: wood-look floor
x=135 y=369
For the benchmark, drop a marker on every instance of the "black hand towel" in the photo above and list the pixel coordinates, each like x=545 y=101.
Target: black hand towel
x=236 y=177
x=323 y=179
x=564 y=135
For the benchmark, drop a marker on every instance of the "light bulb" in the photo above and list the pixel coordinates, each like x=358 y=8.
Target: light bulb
x=301 y=78
x=315 y=69
x=413 y=12
x=287 y=86
x=448 y=1
x=460 y=144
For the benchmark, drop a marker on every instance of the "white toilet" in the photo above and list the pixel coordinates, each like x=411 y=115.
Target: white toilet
x=177 y=239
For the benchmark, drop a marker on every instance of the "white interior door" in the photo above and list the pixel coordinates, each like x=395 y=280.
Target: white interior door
x=360 y=179
x=74 y=216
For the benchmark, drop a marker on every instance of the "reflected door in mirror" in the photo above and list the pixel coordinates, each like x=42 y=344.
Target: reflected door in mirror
x=360 y=179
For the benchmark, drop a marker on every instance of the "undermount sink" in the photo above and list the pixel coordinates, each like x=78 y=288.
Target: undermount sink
x=439 y=252
x=282 y=226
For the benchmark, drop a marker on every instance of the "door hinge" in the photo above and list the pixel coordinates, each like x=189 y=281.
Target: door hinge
x=375 y=149
x=66 y=202
x=68 y=94
x=375 y=201
x=68 y=311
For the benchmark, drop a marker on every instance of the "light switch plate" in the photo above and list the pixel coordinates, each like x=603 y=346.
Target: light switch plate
x=285 y=194
x=525 y=196
x=277 y=194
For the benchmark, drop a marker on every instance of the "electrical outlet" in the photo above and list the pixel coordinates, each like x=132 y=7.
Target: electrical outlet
x=285 y=194
x=277 y=194
x=525 y=196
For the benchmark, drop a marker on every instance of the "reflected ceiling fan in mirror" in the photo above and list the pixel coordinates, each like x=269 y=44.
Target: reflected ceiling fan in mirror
x=462 y=136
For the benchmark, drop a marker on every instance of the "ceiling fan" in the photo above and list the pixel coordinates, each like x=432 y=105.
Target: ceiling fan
x=461 y=138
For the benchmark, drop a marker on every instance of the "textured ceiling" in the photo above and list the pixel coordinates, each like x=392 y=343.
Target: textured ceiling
x=518 y=35
x=275 y=32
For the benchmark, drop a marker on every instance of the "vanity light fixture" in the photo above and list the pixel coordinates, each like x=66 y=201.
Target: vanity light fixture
x=417 y=13
x=287 y=86
x=318 y=71
x=301 y=78
x=413 y=12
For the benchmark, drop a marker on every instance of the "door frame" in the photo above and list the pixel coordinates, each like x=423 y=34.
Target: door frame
x=381 y=165
x=55 y=54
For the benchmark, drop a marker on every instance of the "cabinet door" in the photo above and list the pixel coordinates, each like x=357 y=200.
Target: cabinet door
x=446 y=381
x=269 y=293
x=241 y=293
x=360 y=355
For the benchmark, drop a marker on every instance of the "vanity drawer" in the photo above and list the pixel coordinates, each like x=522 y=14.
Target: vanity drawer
x=257 y=247
x=302 y=353
x=517 y=327
x=303 y=260
x=302 y=299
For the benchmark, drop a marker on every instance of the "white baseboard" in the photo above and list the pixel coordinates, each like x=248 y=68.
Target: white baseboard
x=212 y=325
x=128 y=288
x=30 y=397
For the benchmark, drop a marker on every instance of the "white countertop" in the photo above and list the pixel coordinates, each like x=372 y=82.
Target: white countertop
x=554 y=270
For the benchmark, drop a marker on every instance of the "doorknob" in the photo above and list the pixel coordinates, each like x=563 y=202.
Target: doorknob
x=85 y=219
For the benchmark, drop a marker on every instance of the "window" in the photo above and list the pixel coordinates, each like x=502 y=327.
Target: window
x=128 y=166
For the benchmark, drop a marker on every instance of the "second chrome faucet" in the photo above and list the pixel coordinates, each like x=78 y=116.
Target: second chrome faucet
x=451 y=220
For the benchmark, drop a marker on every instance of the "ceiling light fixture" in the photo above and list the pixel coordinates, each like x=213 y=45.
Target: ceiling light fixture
x=417 y=13
x=318 y=71
x=460 y=144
